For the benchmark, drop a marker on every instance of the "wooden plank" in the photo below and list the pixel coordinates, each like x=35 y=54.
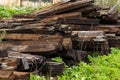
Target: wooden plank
x=81 y=27
x=66 y=7
x=6 y=75
x=29 y=29
x=97 y=36
x=108 y=28
x=22 y=75
x=31 y=46
x=9 y=62
x=48 y=8
x=86 y=9
x=66 y=15
x=79 y=21
x=30 y=37
x=114 y=42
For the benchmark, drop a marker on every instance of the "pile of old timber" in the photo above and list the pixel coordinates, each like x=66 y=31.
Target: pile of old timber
x=70 y=30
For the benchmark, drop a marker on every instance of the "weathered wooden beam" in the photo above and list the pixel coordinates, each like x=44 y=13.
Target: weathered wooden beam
x=79 y=21
x=48 y=8
x=32 y=46
x=81 y=27
x=86 y=9
x=53 y=68
x=22 y=75
x=114 y=42
x=66 y=15
x=87 y=35
x=9 y=62
x=108 y=28
x=6 y=75
x=35 y=29
x=30 y=37
x=66 y=7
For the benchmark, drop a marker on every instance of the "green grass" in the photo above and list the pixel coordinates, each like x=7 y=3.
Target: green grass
x=8 y=12
x=110 y=3
x=100 y=68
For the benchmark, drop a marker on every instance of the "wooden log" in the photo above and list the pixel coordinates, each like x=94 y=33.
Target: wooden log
x=6 y=75
x=30 y=37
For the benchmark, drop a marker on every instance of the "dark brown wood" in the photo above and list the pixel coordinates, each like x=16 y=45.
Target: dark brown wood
x=32 y=46
x=79 y=21
x=66 y=7
x=30 y=37
x=108 y=28
x=53 y=68
x=6 y=75
x=66 y=15
x=33 y=29
x=67 y=43
x=22 y=75
x=114 y=42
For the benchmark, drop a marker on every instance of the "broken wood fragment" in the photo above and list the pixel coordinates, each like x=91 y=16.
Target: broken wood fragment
x=53 y=68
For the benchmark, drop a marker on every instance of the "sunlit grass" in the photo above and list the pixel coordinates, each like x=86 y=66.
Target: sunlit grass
x=110 y=3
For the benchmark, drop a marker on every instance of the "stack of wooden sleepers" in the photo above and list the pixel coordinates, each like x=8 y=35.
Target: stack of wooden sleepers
x=70 y=30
